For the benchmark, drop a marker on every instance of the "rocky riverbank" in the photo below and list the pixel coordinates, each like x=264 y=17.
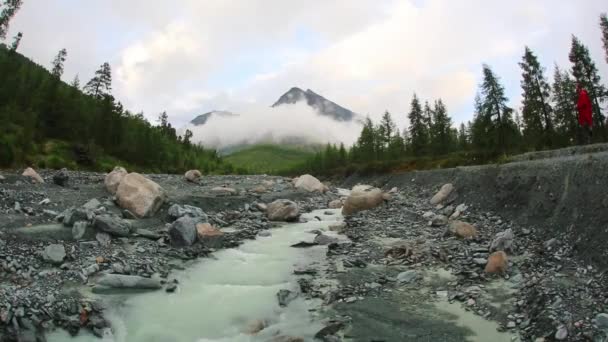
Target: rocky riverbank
x=422 y=259
x=68 y=236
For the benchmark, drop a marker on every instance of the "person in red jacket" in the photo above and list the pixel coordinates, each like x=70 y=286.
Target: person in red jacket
x=585 y=114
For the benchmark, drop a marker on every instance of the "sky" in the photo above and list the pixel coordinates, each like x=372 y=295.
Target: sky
x=188 y=57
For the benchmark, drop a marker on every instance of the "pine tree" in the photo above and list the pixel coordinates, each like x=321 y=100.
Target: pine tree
x=76 y=82
x=428 y=121
x=187 y=137
x=8 y=10
x=604 y=27
x=586 y=74
x=536 y=110
x=440 y=129
x=366 y=144
x=386 y=131
x=16 y=42
x=418 y=130
x=494 y=106
x=101 y=84
x=57 y=70
x=564 y=99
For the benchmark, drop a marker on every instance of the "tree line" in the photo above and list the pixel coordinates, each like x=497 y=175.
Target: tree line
x=548 y=119
x=38 y=110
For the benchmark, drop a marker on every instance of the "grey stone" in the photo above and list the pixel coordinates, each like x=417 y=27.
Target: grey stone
x=17 y=207
x=479 y=261
x=176 y=211
x=285 y=297
x=265 y=233
x=427 y=215
x=561 y=333
x=103 y=239
x=94 y=268
x=601 y=320
x=92 y=204
x=44 y=201
x=407 y=276
x=61 y=178
x=323 y=239
x=112 y=225
x=147 y=234
x=439 y=220
x=119 y=281
x=503 y=241
x=73 y=215
x=183 y=231
x=54 y=254
x=79 y=229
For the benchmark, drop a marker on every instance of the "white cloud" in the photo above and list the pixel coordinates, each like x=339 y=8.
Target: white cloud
x=366 y=55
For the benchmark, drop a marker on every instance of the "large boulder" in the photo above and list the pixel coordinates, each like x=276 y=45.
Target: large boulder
x=114 y=178
x=183 y=231
x=462 y=229
x=176 y=211
x=112 y=225
x=193 y=176
x=442 y=194
x=360 y=200
x=282 y=210
x=33 y=175
x=310 y=184
x=140 y=195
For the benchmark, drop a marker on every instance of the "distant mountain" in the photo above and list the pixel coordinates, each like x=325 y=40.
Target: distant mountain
x=322 y=105
x=203 y=118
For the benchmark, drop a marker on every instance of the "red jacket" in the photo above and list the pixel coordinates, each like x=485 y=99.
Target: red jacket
x=585 y=112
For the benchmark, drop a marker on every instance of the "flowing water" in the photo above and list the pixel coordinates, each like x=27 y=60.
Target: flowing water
x=218 y=298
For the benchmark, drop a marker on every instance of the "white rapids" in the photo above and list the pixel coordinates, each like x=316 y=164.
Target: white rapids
x=219 y=297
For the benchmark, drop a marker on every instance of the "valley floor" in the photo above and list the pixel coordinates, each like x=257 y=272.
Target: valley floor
x=390 y=276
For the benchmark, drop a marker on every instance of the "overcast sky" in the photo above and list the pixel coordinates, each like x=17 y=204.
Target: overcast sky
x=192 y=56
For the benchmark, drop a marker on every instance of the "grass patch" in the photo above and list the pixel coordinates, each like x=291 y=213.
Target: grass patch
x=269 y=158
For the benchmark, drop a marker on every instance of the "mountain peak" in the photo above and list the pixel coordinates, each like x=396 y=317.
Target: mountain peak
x=203 y=118
x=322 y=105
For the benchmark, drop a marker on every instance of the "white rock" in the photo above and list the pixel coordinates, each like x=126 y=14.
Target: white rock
x=442 y=194
x=282 y=210
x=362 y=200
x=31 y=173
x=114 y=178
x=310 y=184
x=193 y=175
x=140 y=195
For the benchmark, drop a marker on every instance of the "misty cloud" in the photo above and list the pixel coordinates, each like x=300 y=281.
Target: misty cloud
x=257 y=124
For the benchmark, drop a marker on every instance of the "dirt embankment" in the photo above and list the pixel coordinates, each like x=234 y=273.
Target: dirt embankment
x=566 y=193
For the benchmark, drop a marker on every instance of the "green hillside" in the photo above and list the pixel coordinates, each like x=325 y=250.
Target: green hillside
x=47 y=123
x=269 y=158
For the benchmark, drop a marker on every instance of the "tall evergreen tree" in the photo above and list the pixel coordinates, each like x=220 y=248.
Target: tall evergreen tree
x=8 y=9
x=366 y=144
x=57 y=70
x=585 y=73
x=536 y=111
x=386 y=131
x=418 y=130
x=440 y=129
x=16 y=42
x=564 y=99
x=101 y=84
x=604 y=27
x=494 y=105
